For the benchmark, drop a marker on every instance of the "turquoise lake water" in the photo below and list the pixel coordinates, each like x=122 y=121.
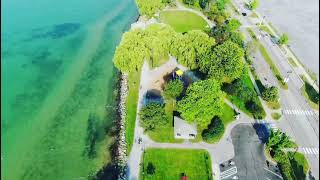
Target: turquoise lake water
x=58 y=85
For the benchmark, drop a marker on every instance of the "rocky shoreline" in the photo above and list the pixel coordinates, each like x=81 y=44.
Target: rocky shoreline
x=121 y=153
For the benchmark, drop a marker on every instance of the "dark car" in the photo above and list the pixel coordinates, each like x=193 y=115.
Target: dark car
x=244 y=14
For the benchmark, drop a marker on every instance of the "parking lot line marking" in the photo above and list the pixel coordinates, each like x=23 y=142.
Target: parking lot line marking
x=273 y=173
x=228 y=172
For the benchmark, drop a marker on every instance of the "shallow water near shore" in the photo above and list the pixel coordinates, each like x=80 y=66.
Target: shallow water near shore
x=58 y=85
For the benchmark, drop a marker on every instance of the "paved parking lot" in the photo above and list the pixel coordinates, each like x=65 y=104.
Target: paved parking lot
x=249 y=161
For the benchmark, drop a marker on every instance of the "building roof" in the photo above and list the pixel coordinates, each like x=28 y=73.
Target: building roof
x=184 y=128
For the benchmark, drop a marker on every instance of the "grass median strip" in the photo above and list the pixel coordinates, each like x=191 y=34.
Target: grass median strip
x=269 y=60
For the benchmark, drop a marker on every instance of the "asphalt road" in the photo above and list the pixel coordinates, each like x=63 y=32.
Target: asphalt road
x=302 y=128
x=249 y=154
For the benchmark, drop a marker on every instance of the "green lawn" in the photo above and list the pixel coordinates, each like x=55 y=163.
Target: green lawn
x=131 y=105
x=183 y=21
x=228 y=115
x=269 y=60
x=166 y=134
x=170 y=163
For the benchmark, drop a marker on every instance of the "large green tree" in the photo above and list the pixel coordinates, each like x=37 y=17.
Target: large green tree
x=278 y=141
x=151 y=44
x=173 y=88
x=214 y=131
x=153 y=115
x=150 y=7
x=226 y=62
x=191 y=47
x=202 y=102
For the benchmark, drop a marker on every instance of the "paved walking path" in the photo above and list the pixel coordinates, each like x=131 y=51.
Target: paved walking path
x=219 y=152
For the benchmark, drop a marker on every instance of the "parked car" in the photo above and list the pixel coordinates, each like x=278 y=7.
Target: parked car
x=244 y=14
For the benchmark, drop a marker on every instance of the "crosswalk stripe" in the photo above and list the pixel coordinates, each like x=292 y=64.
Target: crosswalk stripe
x=299 y=112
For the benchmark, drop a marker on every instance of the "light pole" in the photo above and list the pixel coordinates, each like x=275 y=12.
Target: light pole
x=287 y=78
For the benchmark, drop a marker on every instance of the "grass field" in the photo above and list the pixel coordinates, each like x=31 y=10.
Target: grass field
x=183 y=21
x=170 y=163
x=131 y=105
x=269 y=60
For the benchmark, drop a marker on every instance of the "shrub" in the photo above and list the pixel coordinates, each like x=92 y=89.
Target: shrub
x=173 y=88
x=153 y=115
x=270 y=94
x=214 y=131
x=284 y=39
x=150 y=168
x=276 y=116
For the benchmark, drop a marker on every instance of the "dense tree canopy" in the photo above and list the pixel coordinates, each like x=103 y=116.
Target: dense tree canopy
x=214 y=131
x=152 y=44
x=202 y=102
x=203 y=3
x=270 y=94
x=278 y=140
x=192 y=47
x=173 y=88
x=221 y=4
x=152 y=116
x=226 y=63
x=150 y=7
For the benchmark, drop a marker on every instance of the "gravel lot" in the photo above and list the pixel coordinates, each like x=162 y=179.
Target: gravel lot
x=300 y=19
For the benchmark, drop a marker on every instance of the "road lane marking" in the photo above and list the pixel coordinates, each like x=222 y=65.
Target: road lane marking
x=299 y=112
x=309 y=150
x=273 y=173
